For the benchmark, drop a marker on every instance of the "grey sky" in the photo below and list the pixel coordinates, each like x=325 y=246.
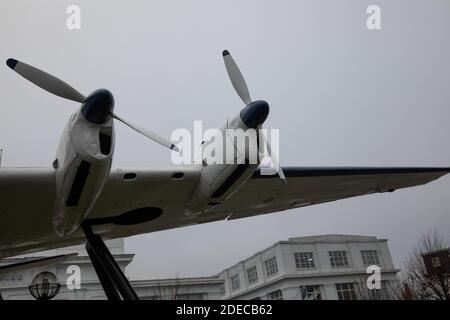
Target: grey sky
x=340 y=95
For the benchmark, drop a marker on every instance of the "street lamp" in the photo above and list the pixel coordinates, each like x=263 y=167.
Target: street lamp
x=44 y=286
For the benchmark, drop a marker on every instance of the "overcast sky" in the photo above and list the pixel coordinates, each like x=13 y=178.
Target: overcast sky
x=340 y=94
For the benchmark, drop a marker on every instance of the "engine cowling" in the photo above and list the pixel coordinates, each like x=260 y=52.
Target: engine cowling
x=219 y=182
x=82 y=165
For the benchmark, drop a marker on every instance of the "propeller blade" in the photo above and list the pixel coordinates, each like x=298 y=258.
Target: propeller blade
x=274 y=158
x=45 y=81
x=236 y=77
x=149 y=134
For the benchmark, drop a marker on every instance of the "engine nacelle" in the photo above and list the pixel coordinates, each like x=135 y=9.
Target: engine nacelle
x=82 y=165
x=219 y=182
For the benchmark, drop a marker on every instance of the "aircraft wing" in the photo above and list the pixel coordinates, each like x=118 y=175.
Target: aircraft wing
x=26 y=199
x=313 y=185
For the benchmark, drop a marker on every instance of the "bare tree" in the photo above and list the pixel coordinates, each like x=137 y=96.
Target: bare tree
x=388 y=290
x=417 y=282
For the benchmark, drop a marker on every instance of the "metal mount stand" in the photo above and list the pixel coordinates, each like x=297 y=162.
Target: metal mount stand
x=114 y=282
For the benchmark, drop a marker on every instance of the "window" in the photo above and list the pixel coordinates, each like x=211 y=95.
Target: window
x=189 y=296
x=436 y=262
x=346 y=291
x=378 y=294
x=310 y=293
x=149 y=298
x=235 y=282
x=252 y=275
x=338 y=258
x=374 y=294
x=271 y=266
x=304 y=260
x=385 y=292
x=275 y=295
x=370 y=257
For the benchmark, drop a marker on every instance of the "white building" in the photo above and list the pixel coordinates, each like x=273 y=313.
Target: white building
x=199 y=288
x=15 y=286
x=321 y=267
x=318 y=267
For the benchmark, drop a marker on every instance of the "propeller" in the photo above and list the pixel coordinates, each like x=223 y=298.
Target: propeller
x=255 y=112
x=61 y=89
x=236 y=77
x=149 y=134
x=274 y=158
x=45 y=81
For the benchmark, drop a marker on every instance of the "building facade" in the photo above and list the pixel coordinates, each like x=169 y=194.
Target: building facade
x=319 y=267
x=15 y=286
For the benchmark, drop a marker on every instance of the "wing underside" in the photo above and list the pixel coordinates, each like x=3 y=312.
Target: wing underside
x=309 y=186
x=26 y=199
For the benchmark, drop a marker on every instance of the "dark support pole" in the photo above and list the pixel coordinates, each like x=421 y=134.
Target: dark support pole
x=121 y=282
x=105 y=280
x=107 y=268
